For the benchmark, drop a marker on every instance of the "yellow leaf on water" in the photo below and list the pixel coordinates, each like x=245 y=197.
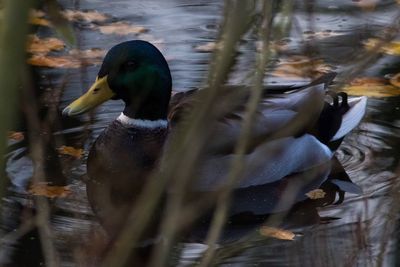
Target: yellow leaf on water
x=277 y=233
x=88 y=16
x=300 y=67
x=50 y=191
x=316 y=194
x=39 y=21
x=392 y=48
x=372 y=87
x=71 y=151
x=365 y=81
x=16 y=136
x=373 y=90
x=121 y=28
x=45 y=45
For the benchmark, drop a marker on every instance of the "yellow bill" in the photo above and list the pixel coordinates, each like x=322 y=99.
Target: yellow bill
x=98 y=93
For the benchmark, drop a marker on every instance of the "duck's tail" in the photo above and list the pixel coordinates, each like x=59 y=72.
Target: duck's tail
x=352 y=117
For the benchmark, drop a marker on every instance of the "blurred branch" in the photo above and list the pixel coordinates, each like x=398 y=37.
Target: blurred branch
x=237 y=165
x=61 y=24
x=237 y=18
x=14 y=29
x=37 y=153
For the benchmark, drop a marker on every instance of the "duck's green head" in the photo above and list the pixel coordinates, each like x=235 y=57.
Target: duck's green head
x=137 y=73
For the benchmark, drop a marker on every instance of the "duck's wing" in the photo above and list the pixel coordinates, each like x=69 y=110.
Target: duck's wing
x=285 y=137
x=277 y=115
x=267 y=163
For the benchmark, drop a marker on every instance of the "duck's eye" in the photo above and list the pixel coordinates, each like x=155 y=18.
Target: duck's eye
x=130 y=65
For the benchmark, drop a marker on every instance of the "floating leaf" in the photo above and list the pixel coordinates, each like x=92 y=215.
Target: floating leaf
x=277 y=233
x=39 y=21
x=316 y=194
x=88 y=53
x=88 y=16
x=37 y=45
x=392 y=48
x=36 y=13
x=16 y=136
x=74 y=59
x=320 y=34
x=71 y=151
x=50 y=191
x=372 y=87
x=207 y=47
x=368 y=81
x=300 y=67
x=121 y=28
x=366 y=5
x=41 y=60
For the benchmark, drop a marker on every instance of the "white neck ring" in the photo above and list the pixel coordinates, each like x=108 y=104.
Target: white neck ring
x=138 y=123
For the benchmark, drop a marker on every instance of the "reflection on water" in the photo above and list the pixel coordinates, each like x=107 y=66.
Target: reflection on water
x=332 y=231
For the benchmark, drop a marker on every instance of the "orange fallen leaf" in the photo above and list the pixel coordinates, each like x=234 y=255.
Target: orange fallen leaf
x=121 y=28
x=74 y=59
x=16 y=136
x=277 y=233
x=50 y=191
x=71 y=151
x=45 y=45
x=41 y=60
x=316 y=194
x=300 y=67
x=392 y=48
x=88 y=16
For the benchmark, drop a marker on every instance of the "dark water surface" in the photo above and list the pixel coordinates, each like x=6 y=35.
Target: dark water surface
x=357 y=232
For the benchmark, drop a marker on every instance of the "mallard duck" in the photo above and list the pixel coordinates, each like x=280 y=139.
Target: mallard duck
x=126 y=152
